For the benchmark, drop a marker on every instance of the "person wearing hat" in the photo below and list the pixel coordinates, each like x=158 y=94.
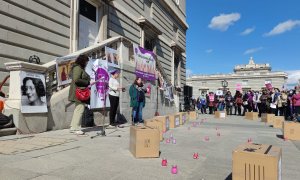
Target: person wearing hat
x=114 y=93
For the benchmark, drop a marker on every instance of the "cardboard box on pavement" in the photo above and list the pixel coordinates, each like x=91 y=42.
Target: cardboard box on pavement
x=278 y=122
x=157 y=124
x=183 y=117
x=192 y=115
x=267 y=118
x=291 y=130
x=174 y=121
x=166 y=122
x=251 y=115
x=256 y=161
x=144 y=142
x=220 y=114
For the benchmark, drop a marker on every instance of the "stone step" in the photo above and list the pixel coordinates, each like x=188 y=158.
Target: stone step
x=8 y=131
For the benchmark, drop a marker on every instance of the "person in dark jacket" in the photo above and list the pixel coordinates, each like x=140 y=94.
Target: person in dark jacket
x=229 y=102
x=265 y=102
x=137 y=100
x=238 y=102
x=80 y=79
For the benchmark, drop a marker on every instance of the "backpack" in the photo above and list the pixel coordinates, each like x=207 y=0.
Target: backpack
x=87 y=118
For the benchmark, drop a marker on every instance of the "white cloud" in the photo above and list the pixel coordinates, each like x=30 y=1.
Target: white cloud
x=283 y=27
x=253 y=50
x=209 y=51
x=247 y=31
x=223 y=21
x=293 y=76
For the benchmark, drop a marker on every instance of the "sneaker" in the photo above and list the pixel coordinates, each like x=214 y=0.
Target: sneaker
x=110 y=127
x=79 y=133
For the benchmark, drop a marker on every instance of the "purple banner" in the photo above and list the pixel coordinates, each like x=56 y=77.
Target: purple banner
x=145 y=63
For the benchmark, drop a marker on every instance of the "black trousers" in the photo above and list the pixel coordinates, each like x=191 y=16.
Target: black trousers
x=229 y=110
x=114 y=103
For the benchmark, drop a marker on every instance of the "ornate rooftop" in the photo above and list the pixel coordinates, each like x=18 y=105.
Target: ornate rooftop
x=252 y=66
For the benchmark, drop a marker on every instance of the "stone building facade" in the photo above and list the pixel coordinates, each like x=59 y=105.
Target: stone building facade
x=249 y=76
x=55 y=28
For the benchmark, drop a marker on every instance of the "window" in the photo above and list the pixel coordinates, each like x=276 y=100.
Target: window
x=245 y=82
x=149 y=43
x=87 y=10
x=176 y=64
x=176 y=31
x=88 y=24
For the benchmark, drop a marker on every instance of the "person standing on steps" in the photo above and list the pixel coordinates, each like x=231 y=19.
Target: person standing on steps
x=80 y=79
x=137 y=100
x=114 y=93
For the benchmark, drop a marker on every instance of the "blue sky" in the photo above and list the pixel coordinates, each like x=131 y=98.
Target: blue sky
x=224 y=33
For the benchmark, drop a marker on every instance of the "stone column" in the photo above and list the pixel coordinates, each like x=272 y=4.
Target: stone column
x=29 y=122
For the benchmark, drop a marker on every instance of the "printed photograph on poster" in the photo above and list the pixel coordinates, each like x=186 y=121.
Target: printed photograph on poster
x=169 y=93
x=145 y=63
x=33 y=93
x=112 y=57
x=148 y=88
x=63 y=69
x=98 y=71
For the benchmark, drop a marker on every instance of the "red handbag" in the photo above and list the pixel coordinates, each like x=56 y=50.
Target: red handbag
x=83 y=94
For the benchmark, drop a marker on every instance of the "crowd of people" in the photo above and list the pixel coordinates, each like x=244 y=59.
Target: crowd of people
x=281 y=103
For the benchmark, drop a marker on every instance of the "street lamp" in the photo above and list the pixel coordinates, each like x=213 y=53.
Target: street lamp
x=224 y=85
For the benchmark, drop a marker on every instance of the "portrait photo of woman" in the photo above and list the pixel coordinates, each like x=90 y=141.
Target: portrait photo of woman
x=33 y=94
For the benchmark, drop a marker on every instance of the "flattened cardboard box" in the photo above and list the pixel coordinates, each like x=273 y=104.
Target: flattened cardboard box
x=278 y=122
x=251 y=115
x=291 y=130
x=174 y=121
x=192 y=115
x=166 y=122
x=220 y=114
x=183 y=118
x=144 y=142
x=267 y=118
x=157 y=124
x=256 y=161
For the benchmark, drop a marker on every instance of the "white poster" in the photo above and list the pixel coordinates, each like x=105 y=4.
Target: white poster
x=219 y=92
x=63 y=69
x=169 y=93
x=98 y=71
x=33 y=93
x=112 y=57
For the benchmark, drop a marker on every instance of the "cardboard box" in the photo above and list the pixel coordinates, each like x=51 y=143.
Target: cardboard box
x=166 y=122
x=144 y=142
x=183 y=117
x=256 y=161
x=192 y=115
x=267 y=118
x=157 y=124
x=220 y=114
x=278 y=122
x=291 y=130
x=174 y=121
x=251 y=115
